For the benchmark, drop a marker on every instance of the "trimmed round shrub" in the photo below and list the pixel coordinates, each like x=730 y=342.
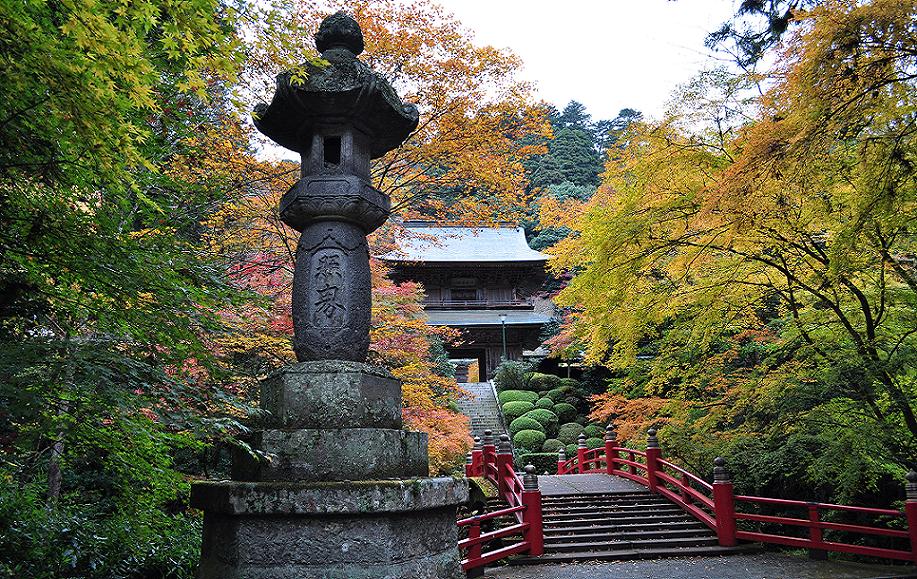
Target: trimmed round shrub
x=568 y=433
x=595 y=443
x=513 y=410
x=547 y=419
x=544 y=462
x=517 y=396
x=571 y=450
x=545 y=403
x=540 y=381
x=557 y=394
x=574 y=401
x=524 y=423
x=594 y=431
x=570 y=383
x=552 y=445
x=530 y=440
x=565 y=412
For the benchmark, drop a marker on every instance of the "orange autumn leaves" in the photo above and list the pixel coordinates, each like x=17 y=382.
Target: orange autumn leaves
x=463 y=164
x=478 y=121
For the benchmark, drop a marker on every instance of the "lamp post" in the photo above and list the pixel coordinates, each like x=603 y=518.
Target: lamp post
x=503 y=324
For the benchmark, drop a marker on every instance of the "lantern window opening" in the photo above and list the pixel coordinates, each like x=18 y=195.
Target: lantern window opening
x=331 y=150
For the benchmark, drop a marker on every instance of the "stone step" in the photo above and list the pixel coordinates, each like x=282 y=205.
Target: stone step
x=630 y=554
x=623 y=505
x=615 y=515
x=591 y=498
x=636 y=534
x=597 y=521
x=630 y=545
x=615 y=528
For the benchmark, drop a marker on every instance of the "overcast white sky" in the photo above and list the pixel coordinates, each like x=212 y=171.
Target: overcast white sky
x=607 y=54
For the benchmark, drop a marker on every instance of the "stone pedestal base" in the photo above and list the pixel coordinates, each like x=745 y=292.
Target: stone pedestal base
x=403 y=529
x=338 y=493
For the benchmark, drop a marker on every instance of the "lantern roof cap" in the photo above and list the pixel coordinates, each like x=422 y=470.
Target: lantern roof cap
x=339 y=30
x=340 y=92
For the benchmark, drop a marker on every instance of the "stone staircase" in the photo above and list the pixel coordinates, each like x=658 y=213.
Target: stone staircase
x=620 y=526
x=482 y=407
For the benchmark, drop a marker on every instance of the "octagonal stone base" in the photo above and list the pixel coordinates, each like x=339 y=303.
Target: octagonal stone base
x=333 y=455
x=356 y=530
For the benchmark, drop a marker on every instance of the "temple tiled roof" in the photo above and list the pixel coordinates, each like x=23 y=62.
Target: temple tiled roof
x=465 y=245
x=484 y=317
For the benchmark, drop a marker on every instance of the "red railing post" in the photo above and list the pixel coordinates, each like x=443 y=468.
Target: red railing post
x=724 y=508
x=477 y=456
x=652 y=453
x=815 y=535
x=531 y=498
x=910 y=510
x=581 y=454
x=611 y=441
x=474 y=532
x=490 y=454
x=561 y=459
x=469 y=465
x=504 y=458
x=685 y=495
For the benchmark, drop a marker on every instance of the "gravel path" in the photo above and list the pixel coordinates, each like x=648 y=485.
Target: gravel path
x=754 y=566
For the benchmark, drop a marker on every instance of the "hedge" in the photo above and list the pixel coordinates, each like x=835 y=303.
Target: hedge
x=540 y=381
x=557 y=394
x=552 y=445
x=547 y=419
x=569 y=432
x=530 y=440
x=544 y=462
x=570 y=383
x=524 y=423
x=545 y=403
x=516 y=396
x=513 y=410
x=571 y=450
x=595 y=443
x=594 y=431
x=565 y=412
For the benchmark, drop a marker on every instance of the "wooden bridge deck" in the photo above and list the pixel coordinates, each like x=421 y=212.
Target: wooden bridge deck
x=586 y=484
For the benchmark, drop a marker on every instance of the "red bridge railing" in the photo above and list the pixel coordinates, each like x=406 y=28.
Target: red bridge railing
x=520 y=493
x=716 y=504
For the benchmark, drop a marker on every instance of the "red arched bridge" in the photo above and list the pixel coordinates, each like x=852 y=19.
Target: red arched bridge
x=635 y=504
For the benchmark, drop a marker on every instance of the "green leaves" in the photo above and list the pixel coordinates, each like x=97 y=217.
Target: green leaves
x=754 y=252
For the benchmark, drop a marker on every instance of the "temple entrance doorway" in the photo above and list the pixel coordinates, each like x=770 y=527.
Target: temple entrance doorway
x=470 y=364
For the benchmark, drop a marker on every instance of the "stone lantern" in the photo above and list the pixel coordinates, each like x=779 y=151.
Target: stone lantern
x=340 y=118
x=341 y=490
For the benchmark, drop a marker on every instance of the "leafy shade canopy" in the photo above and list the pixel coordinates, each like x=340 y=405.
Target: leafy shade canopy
x=108 y=301
x=766 y=271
